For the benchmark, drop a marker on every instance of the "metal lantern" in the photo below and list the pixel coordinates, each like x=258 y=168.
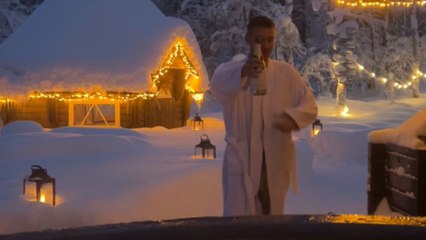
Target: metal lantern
x=316 y=128
x=205 y=149
x=197 y=123
x=39 y=186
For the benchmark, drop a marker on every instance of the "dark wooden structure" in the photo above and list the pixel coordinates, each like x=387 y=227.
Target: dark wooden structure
x=377 y=155
x=288 y=227
x=406 y=192
x=137 y=113
x=399 y=174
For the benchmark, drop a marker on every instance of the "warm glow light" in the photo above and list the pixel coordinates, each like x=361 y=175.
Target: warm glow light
x=111 y=96
x=42 y=198
x=385 y=80
x=315 y=132
x=380 y=3
x=375 y=219
x=177 y=51
x=198 y=96
x=5 y=100
x=344 y=112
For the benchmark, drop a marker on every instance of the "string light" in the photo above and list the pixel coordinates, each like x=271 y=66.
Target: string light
x=5 y=100
x=112 y=96
x=197 y=96
x=344 y=112
x=108 y=96
x=384 y=80
x=380 y=3
x=190 y=71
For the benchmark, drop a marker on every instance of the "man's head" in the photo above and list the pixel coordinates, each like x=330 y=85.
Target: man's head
x=261 y=29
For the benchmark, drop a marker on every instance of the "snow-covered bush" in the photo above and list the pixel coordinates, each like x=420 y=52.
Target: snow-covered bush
x=19 y=127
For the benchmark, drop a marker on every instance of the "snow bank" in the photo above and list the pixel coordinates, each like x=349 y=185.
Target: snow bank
x=407 y=134
x=19 y=127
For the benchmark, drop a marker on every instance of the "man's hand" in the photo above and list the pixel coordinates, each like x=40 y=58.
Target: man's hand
x=284 y=123
x=252 y=68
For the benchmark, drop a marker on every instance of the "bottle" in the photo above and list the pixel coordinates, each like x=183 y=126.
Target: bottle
x=258 y=84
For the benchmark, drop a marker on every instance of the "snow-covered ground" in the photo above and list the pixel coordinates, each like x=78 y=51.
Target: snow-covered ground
x=122 y=175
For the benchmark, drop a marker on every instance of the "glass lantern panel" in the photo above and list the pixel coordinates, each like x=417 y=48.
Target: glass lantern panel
x=197 y=126
x=210 y=154
x=30 y=193
x=315 y=131
x=47 y=193
x=198 y=152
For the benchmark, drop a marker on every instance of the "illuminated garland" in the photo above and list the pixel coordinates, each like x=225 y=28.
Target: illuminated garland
x=373 y=219
x=108 y=96
x=380 y=4
x=384 y=80
x=5 y=100
x=398 y=85
x=177 y=51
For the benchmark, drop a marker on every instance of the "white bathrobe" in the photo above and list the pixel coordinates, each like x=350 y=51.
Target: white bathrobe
x=249 y=132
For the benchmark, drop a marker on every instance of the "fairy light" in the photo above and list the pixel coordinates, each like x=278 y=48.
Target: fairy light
x=417 y=75
x=5 y=100
x=190 y=71
x=345 y=111
x=177 y=51
x=109 y=96
x=374 y=219
x=198 y=96
x=380 y=3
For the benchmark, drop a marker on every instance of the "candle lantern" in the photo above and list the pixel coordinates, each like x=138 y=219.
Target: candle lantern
x=197 y=123
x=39 y=186
x=316 y=128
x=205 y=149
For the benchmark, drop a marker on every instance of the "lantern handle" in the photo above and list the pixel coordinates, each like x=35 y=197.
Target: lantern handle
x=35 y=166
x=205 y=136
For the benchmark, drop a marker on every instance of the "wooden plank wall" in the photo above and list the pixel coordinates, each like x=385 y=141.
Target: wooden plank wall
x=51 y=113
x=164 y=112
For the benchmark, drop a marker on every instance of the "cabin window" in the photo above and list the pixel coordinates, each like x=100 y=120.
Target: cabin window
x=94 y=113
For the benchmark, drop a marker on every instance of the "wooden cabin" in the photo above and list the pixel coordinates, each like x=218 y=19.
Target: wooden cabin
x=168 y=107
x=149 y=84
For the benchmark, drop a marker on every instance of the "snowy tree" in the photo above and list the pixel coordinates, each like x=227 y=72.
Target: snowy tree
x=344 y=59
x=317 y=70
x=302 y=39
x=13 y=13
x=317 y=18
x=220 y=27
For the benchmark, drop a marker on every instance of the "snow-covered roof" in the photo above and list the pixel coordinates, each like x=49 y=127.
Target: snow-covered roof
x=86 y=45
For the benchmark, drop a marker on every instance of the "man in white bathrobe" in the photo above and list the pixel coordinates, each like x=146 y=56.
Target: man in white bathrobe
x=259 y=161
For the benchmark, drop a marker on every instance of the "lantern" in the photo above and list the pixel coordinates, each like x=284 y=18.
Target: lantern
x=316 y=128
x=197 y=123
x=39 y=186
x=205 y=149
